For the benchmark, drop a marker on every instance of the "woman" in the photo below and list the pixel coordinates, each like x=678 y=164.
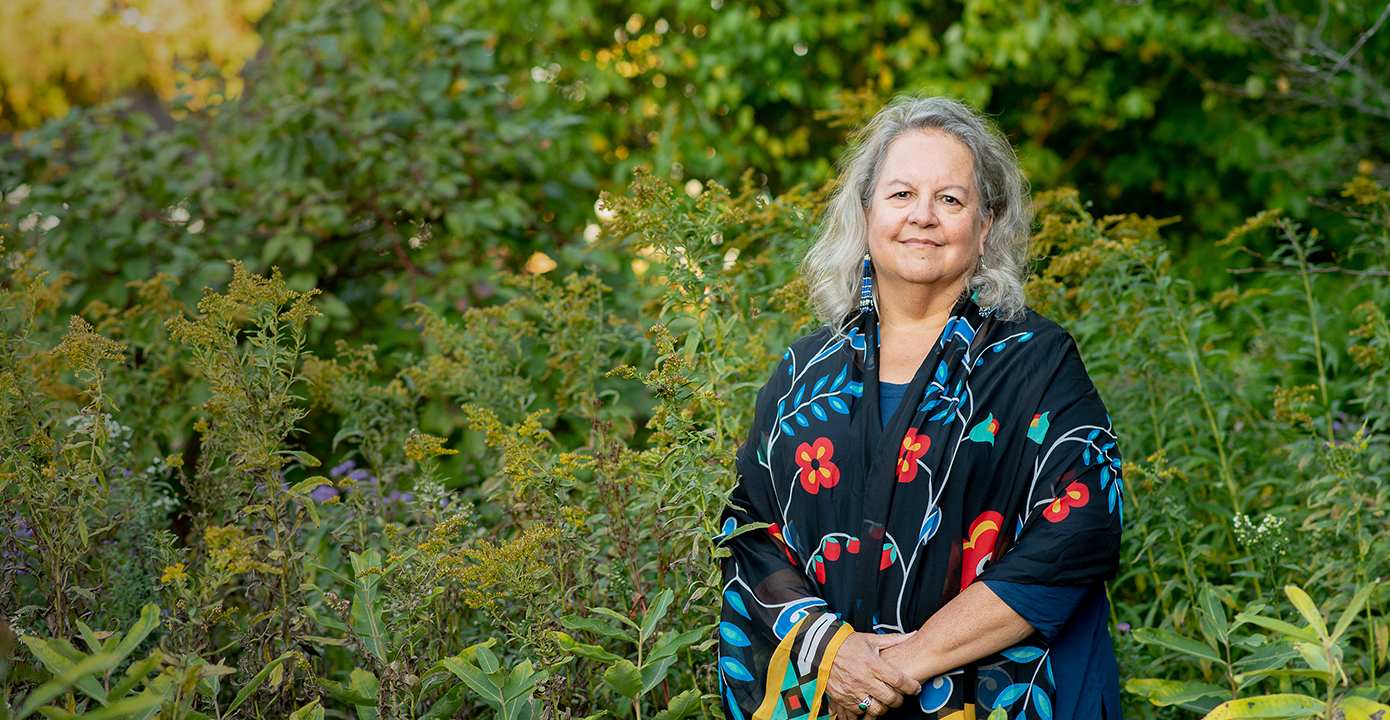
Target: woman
x=929 y=500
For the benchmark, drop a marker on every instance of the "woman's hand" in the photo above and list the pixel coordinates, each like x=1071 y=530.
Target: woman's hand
x=859 y=672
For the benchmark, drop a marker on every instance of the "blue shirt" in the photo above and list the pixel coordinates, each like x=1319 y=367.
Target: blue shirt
x=1073 y=618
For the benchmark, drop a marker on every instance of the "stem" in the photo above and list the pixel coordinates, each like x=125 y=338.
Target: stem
x=1312 y=320
x=1193 y=365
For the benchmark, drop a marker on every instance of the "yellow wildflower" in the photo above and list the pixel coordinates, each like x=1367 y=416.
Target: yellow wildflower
x=420 y=446
x=173 y=573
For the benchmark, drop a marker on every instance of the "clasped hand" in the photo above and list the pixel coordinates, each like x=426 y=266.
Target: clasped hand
x=859 y=671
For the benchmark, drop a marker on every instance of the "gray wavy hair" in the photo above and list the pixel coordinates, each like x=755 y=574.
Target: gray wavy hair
x=834 y=265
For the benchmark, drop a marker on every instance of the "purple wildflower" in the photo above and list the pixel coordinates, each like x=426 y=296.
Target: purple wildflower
x=323 y=493
x=398 y=496
x=1124 y=627
x=339 y=470
x=362 y=476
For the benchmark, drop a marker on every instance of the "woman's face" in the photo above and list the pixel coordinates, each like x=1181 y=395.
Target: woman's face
x=925 y=232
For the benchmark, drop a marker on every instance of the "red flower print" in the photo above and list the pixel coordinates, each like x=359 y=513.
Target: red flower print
x=776 y=532
x=979 y=547
x=816 y=469
x=820 y=570
x=832 y=549
x=1075 y=495
x=914 y=446
x=852 y=545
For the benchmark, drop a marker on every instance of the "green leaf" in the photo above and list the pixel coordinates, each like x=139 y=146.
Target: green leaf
x=127 y=708
x=1173 y=641
x=1282 y=705
x=57 y=663
x=255 y=682
x=82 y=670
x=446 y=706
x=522 y=681
x=624 y=678
x=592 y=652
x=149 y=620
x=1357 y=602
x=312 y=711
x=366 y=603
x=89 y=637
x=654 y=672
x=1360 y=708
x=617 y=616
x=136 y=673
x=475 y=679
x=487 y=661
x=1212 y=610
x=672 y=643
x=655 y=613
x=682 y=705
x=1307 y=608
x=307 y=459
x=596 y=626
x=1278 y=626
x=1172 y=692
x=327 y=621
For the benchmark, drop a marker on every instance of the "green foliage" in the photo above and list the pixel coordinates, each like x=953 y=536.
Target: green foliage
x=526 y=465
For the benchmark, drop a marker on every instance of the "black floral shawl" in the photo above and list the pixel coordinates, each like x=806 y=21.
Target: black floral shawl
x=1000 y=463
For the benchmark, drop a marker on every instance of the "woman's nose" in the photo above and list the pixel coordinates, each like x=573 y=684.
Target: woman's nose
x=923 y=212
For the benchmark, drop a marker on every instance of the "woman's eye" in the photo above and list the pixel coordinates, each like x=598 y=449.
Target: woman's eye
x=949 y=200
x=901 y=194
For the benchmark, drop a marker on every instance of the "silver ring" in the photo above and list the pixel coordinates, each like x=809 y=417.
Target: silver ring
x=865 y=703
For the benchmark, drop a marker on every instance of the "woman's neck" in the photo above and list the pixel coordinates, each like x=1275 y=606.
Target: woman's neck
x=909 y=327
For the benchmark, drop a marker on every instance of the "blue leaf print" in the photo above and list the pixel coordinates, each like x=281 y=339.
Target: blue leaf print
x=1025 y=337
x=791 y=370
x=733 y=635
x=979 y=362
x=801 y=420
x=735 y=601
x=1113 y=495
x=856 y=340
x=732 y=705
x=999 y=346
x=941 y=373
x=927 y=406
x=792 y=613
x=781 y=407
x=1086 y=455
x=786 y=428
x=820 y=384
x=819 y=413
x=735 y=669
x=944 y=412
x=839 y=379
x=1041 y=702
x=1009 y=696
x=855 y=389
x=1094 y=434
x=838 y=405
x=1048 y=664
x=799 y=392
x=935 y=693
x=1105 y=477
x=1022 y=654
x=929 y=525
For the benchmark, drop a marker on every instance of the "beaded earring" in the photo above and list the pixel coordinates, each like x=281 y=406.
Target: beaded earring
x=866 y=287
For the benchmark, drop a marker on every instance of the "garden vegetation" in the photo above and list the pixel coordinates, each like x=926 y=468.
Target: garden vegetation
x=450 y=434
